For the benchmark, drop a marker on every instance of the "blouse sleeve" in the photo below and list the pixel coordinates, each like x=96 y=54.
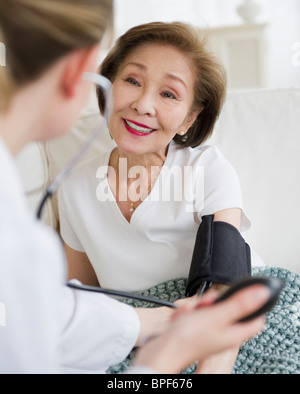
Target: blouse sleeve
x=222 y=188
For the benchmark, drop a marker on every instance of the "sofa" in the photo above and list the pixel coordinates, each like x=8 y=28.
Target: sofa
x=258 y=132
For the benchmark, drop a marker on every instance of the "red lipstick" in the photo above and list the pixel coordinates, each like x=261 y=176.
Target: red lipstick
x=137 y=128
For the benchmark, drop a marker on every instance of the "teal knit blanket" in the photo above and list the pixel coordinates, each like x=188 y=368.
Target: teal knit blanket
x=275 y=351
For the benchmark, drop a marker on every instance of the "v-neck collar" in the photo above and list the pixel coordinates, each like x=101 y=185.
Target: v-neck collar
x=152 y=196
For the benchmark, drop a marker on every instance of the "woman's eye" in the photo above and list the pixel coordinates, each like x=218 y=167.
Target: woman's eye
x=169 y=95
x=132 y=81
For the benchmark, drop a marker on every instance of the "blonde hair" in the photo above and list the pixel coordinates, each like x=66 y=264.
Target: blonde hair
x=36 y=33
x=210 y=83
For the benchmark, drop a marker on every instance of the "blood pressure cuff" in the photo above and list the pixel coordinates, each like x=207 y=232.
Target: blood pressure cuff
x=221 y=255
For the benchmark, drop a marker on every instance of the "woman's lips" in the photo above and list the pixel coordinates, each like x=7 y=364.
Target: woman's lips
x=137 y=128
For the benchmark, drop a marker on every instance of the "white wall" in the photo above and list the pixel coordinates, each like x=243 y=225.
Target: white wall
x=284 y=32
x=134 y=12
x=283 y=17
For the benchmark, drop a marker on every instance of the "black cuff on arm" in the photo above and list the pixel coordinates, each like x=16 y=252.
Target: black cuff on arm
x=221 y=255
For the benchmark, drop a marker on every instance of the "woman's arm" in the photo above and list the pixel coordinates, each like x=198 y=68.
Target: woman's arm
x=232 y=216
x=223 y=363
x=80 y=267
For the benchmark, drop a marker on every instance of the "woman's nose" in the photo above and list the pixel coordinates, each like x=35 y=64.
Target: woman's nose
x=144 y=104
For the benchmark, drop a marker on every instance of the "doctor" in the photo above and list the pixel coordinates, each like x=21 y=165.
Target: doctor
x=48 y=328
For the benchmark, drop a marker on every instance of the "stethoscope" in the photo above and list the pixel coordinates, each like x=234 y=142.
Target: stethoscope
x=105 y=85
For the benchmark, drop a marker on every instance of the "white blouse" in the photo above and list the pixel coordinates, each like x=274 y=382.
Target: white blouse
x=157 y=245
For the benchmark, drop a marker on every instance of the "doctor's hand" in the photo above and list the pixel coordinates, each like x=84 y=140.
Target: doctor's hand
x=153 y=322
x=201 y=329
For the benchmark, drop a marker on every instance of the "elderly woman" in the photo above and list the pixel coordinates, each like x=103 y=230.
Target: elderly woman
x=148 y=195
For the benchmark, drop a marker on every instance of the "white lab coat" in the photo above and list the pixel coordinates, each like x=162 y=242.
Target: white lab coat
x=46 y=327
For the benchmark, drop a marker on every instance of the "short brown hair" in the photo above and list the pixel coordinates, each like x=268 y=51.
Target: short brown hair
x=210 y=84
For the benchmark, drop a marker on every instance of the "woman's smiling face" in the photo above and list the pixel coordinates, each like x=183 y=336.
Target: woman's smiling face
x=153 y=94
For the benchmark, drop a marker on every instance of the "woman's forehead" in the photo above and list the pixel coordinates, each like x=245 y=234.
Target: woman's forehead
x=163 y=58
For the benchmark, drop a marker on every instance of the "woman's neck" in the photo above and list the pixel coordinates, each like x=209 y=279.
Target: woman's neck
x=23 y=121
x=147 y=161
x=14 y=129
x=133 y=178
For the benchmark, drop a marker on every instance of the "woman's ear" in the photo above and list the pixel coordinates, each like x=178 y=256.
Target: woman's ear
x=191 y=118
x=76 y=63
